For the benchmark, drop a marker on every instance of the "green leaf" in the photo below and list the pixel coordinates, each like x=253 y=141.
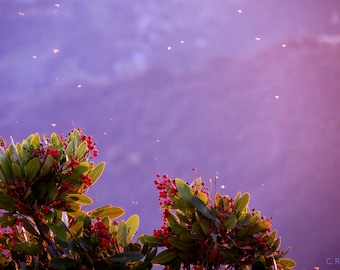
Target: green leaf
x=184 y=191
x=46 y=167
x=166 y=256
x=242 y=202
x=181 y=244
x=178 y=229
x=189 y=237
x=29 y=248
x=132 y=226
x=276 y=245
x=32 y=168
x=108 y=210
x=70 y=149
x=81 y=150
x=60 y=231
x=55 y=140
x=202 y=208
x=171 y=219
x=151 y=240
x=230 y=222
x=6 y=168
x=79 y=198
x=7 y=202
x=97 y=171
x=127 y=256
x=17 y=171
x=122 y=234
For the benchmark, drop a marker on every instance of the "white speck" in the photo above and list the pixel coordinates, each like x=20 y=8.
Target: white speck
x=222 y=186
x=257 y=38
x=53 y=124
x=104 y=133
x=111 y=118
x=239 y=11
x=56 y=5
x=284 y=45
x=262 y=185
x=21 y=13
x=155 y=158
x=182 y=42
x=79 y=86
x=157 y=140
x=134 y=202
x=34 y=56
x=277 y=97
x=55 y=50
x=169 y=48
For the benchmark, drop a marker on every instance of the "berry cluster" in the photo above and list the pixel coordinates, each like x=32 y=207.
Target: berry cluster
x=167 y=189
x=164 y=233
x=90 y=145
x=100 y=231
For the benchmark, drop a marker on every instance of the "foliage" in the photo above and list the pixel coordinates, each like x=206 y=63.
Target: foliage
x=205 y=233
x=42 y=194
x=43 y=225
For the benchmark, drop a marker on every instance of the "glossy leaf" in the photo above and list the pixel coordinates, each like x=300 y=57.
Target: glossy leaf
x=202 y=208
x=184 y=191
x=108 y=210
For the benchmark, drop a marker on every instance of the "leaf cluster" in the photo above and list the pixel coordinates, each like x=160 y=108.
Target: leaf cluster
x=208 y=233
x=43 y=225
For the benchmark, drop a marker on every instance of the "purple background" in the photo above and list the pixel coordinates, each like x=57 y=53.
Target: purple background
x=246 y=91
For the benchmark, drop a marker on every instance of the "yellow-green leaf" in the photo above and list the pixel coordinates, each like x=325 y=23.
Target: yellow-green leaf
x=132 y=225
x=79 y=198
x=108 y=210
x=36 y=141
x=287 y=263
x=242 y=202
x=97 y=171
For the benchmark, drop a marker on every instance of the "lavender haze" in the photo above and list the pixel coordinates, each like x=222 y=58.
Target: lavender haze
x=248 y=92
